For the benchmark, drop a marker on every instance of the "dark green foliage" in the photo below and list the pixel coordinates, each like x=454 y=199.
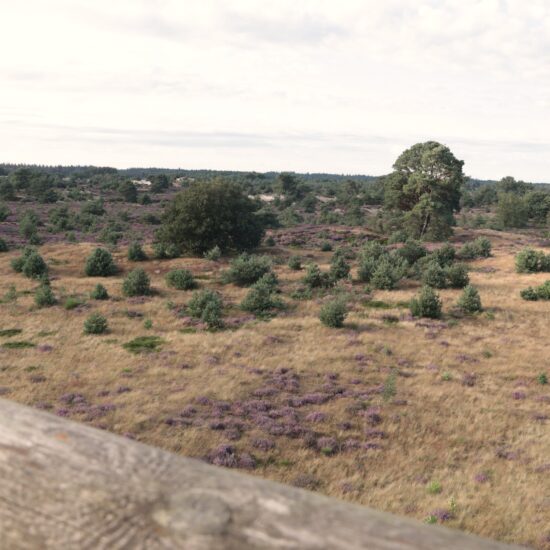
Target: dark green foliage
x=246 y=269
x=511 y=211
x=180 y=279
x=369 y=260
x=136 y=253
x=95 y=324
x=445 y=255
x=99 y=293
x=469 y=301
x=128 y=191
x=426 y=186
x=136 y=283
x=72 y=302
x=44 y=296
x=3 y=245
x=542 y=379
x=326 y=247
x=412 y=251
x=315 y=278
x=333 y=313
x=159 y=183
x=457 y=276
x=207 y=306
x=480 y=248
x=270 y=241
x=94 y=208
x=4 y=212
x=541 y=292
x=31 y=264
x=100 y=264
x=210 y=214
x=339 y=268
x=434 y=276
x=389 y=270
x=28 y=225
x=532 y=261
x=529 y=294
x=214 y=254
x=261 y=299
x=18 y=345
x=18 y=263
x=295 y=263
x=163 y=251
x=426 y=304
x=144 y=344
x=9 y=332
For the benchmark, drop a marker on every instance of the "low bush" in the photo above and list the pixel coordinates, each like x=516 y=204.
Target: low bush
x=434 y=275
x=388 y=272
x=469 y=301
x=100 y=264
x=426 y=304
x=444 y=256
x=136 y=253
x=412 y=251
x=333 y=313
x=72 y=302
x=529 y=294
x=162 y=251
x=479 y=248
x=532 y=261
x=339 y=268
x=99 y=293
x=3 y=245
x=95 y=324
x=207 y=306
x=315 y=278
x=246 y=269
x=457 y=276
x=214 y=254
x=181 y=279
x=295 y=263
x=326 y=247
x=136 y=283
x=44 y=296
x=541 y=292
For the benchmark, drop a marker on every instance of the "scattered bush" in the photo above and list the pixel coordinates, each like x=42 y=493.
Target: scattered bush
x=214 y=254
x=315 y=278
x=246 y=269
x=434 y=276
x=339 y=268
x=163 y=251
x=270 y=241
x=333 y=313
x=260 y=299
x=44 y=296
x=72 y=302
x=479 y=248
x=136 y=253
x=444 y=256
x=326 y=247
x=95 y=324
x=136 y=283
x=412 y=251
x=206 y=305
x=100 y=264
x=295 y=263
x=426 y=304
x=457 y=276
x=99 y=293
x=529 y=294
x=542 y=379
x=541 y=292
x=532 y=261
x=469 y=301
x=3 y=245
x=180 y=279
x=388 y=272
x=4 y=212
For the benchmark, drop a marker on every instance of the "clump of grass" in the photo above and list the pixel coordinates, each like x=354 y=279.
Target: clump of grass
x=389 y=389
x=72 y=302
x=18 y=345
x=9 y=332
x=434 y=488
x=143 y=344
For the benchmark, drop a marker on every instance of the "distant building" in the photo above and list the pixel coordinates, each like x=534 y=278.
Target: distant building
x=141 y=183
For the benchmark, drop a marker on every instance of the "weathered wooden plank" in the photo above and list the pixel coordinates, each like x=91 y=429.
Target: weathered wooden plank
x=65 y=485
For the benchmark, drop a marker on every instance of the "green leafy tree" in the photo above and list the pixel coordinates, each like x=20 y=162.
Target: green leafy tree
x=426 y=187
x=208 y=214
x=511 y=211
x=128 y=191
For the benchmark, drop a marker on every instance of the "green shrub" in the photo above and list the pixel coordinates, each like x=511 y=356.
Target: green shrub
x=214 y=254
x=333 y=313
x=326 y=247
x=434 y=276
x=207 y=306
x=3 y=245
x=44 y=296
x=246 y=269
x=260 y=299
x=543 y=291
x=469 y=301
x=99 y=293
x=180 y=279
x=100 y=264
x=270 y=241
x=412 y=251
x=72 y=302
x=368 y=260
x=388 y=272
x=457 y=276
x=4 y=212
x=542 y=379
x=136 y=283
x=445 y=255
x=530 y=261
x=295 y=263
x=426 y=304
x=315 y=278
x=339 y=268
x=136 y=253
x=479 y=248
x=529 y=294
x=31 y=264
x=95 y=324
x=163 y=251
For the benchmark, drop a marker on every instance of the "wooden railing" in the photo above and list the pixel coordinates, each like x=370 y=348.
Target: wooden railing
x=64 y=485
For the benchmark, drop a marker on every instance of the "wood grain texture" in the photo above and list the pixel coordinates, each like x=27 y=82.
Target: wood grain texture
x=64 y=485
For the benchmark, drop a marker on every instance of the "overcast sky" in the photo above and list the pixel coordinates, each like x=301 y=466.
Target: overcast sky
x=320 y=86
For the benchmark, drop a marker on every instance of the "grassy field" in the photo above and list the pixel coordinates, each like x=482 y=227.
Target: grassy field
x=432 y=419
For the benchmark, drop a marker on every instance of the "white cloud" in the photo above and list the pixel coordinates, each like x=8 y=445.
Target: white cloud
x=318 y=85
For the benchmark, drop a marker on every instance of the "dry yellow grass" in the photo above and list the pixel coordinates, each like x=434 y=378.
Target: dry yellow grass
x=436 y=429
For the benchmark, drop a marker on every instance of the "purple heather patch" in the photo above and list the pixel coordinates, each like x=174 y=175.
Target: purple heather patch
x=518 y=395
x=442 y=515
x=482 y=477
x=44 y=348
x=327 y=445
x=263 y=444
x=316 y=416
